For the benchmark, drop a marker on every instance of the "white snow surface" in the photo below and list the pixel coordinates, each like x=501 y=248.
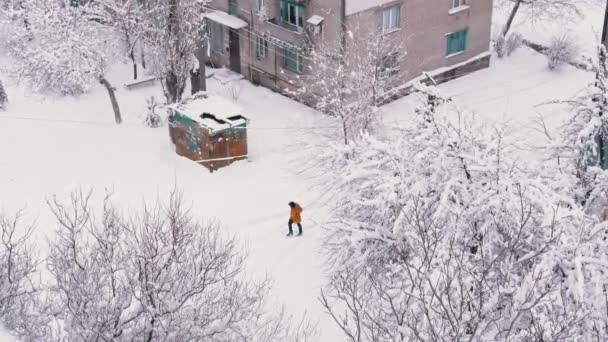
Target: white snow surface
x=226 y=19
x=356 y=6
x=215 y=105
x=55 y=145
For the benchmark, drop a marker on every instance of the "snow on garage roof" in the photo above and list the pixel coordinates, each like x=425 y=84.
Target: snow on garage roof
x=226 y=19
x=212 y=111
x=356 y=6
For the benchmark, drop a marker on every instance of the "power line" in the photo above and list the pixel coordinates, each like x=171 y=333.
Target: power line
x=99 y=123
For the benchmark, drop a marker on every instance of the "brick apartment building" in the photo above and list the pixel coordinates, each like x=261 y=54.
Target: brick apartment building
x=266 y=40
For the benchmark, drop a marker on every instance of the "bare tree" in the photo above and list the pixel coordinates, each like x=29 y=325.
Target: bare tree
x=17 y=278
x=160 y=275
x=347 y=83
x=175 y=31
x=537 y=9
x=126 y=16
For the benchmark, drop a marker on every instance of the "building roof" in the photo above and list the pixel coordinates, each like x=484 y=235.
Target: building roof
x=356 y=6
x=211 y=111
x=225 y=19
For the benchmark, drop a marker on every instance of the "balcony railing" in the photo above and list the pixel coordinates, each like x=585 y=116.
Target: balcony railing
x=285 y=26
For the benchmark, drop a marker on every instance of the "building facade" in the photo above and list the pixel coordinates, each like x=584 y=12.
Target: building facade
x=267 y=40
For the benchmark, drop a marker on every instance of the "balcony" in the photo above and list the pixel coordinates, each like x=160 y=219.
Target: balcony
x=286 y=26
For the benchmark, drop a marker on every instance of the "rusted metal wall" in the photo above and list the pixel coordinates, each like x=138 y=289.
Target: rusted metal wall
x=196 y=144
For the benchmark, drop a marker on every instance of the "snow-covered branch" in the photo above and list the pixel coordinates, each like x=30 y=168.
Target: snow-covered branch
x=441 y=234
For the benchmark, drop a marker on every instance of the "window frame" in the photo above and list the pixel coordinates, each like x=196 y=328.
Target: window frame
x=297 y=59
x=390 y=19
x=215 y=41
x=385 y=71
x=463 y=41
x=233 y=7
x=457 y=3
x=261 y=47
x=299 y=13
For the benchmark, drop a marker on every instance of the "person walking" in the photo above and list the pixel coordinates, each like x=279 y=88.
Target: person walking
x=295 y=217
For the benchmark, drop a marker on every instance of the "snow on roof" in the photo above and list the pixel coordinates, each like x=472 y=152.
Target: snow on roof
x=211 y=111
x=356 y=6
x=226 y=19
x=315 y=20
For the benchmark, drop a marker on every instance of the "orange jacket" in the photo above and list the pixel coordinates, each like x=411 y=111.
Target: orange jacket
x=295 y=214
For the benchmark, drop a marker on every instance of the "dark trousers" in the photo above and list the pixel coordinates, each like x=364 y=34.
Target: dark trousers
x=291 y=230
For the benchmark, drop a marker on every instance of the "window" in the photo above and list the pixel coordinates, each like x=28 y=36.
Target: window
x=457 y=42
x=292 y=13
x=388 y=67
x=457 y=3
x=390 y=19
x=261 y=47
x=292 y=60
x=216 y=36
x=233 y=7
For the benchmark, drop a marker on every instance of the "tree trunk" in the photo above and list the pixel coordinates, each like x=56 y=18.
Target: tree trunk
x=134 y=70
x=174 y=87
x=112 y=93
x=3 y=97
x=194 y=81
x=174 y=82
x=201 y=57
x=131 y=53
x=344 y=129
x=142 y=55
x=507 y=27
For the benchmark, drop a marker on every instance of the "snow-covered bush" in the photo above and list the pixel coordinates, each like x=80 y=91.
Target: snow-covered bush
x=562 y=49
x=152 y=119
x=440 y=233
x=3 y=97
x=584 y=140
x=64 y=50
x=233 y=90
x=499 y=46
x=513 y=42
x=505 y=46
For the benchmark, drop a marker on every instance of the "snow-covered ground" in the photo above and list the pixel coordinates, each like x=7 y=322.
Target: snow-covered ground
x=55 y=146
x=514 y=90
x=52 y=146
x=585 y=31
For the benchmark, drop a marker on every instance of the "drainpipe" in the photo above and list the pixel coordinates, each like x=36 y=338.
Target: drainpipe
x=605 y=29
x=343 y=26
x=602 y=144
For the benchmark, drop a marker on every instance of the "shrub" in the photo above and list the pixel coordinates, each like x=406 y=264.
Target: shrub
x=505 y=46
x=561 y=50
x=3 y=97
x=152 y=118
